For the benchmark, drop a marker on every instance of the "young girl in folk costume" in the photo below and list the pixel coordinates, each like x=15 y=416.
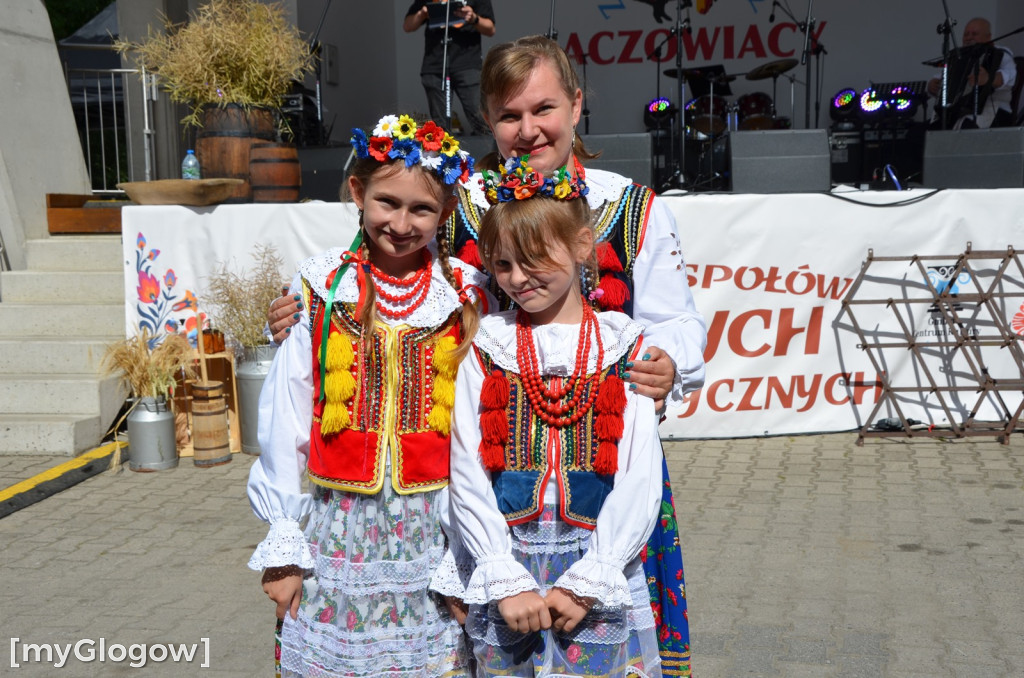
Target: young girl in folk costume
x=360 y=400
x=531 y=98
x=555 y=463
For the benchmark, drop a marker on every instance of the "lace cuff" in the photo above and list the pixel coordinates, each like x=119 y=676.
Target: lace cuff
x=601 y=579
x=498 y=577
x=453 y=574
x=285 y=545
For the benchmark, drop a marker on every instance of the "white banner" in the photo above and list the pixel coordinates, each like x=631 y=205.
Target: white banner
x=768 y=272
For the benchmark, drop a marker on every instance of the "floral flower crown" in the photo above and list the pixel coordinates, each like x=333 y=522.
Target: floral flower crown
x=428 y=144
x=519 y=181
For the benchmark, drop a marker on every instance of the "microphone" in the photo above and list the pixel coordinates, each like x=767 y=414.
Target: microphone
x=771 y=17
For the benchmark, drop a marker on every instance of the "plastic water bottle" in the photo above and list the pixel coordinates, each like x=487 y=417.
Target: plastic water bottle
x=190 y=166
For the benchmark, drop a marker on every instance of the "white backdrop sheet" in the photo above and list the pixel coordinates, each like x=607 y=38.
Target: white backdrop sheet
x=767 y=271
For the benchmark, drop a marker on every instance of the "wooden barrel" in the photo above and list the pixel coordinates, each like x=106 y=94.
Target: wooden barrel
x=209 y=424
x=274 y=172
x=225 y=140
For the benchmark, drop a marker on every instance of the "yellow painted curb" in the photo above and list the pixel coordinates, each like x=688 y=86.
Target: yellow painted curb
x=60 y=469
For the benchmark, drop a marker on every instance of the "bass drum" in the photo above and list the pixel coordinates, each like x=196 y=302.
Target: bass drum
x=755 y=111
x=705 y=117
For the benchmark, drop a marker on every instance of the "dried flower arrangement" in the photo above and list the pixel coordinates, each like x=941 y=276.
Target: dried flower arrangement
x=238 y=302
x=229 y=52
x=147 y=370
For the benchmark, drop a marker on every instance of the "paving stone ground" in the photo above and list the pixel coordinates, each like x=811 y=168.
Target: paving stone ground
x=806 y=557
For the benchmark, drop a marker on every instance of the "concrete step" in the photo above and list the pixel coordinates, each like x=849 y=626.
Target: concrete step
x=67 y=394
x=69 y=434
x=74 y=287
x=75 y=253
x=52 y=355
x=54 y=320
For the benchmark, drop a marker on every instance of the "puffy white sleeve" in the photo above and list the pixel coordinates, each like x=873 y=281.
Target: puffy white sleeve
x=275 y=480
x=477 y=522
x=628 y=514
x=663 y=303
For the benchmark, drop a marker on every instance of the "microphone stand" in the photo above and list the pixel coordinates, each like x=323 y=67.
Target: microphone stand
x=552 y=33
x=808 y=28
x=946 y=29
x=314 y=48
x=679 y=176
x=446 y=82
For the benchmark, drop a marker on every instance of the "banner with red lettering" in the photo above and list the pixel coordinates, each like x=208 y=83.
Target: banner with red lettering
x=770 y=272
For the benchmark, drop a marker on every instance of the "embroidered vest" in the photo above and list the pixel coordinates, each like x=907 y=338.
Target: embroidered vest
x=621 y=223
x=398 y=397
x=534 y=452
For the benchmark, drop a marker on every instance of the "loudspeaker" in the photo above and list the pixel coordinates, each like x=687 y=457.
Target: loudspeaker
x=974 y=158
x=846 y=157
x=780 y=161
x=625 y=154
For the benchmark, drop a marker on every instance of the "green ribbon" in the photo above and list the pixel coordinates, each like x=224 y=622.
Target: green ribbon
x=325 y=329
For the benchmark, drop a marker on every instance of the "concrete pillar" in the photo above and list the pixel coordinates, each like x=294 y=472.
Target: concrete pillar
x=40 y=151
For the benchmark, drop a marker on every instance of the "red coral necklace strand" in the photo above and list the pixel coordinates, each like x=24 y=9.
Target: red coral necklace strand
x=417 y=286
x=548 y=402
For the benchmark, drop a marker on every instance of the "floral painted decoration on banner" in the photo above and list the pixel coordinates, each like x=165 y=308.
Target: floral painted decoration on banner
x=519 y=181
x=399 y=137
x=157 y=298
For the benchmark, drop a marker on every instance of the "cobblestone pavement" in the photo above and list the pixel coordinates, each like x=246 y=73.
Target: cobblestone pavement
x=805 y=557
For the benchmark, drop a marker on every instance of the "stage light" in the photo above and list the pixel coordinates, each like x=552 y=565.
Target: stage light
x=843 y=108
x=658 y=113
x=902 y=102
x=872 y=104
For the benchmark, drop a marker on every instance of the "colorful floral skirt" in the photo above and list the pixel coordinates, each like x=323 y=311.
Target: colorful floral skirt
x=611 y=642
x=367 y=611
x=663 y=563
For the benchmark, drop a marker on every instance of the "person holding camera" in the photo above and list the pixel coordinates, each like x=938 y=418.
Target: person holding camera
x=468 y=20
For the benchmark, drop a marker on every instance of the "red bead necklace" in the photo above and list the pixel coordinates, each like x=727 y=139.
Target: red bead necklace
x=418 y=286
x=560 y=406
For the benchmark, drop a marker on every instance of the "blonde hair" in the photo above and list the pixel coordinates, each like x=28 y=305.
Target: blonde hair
x=527 y=229
x=507 y=68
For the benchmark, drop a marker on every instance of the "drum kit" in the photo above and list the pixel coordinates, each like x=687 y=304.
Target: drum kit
x=710 y=117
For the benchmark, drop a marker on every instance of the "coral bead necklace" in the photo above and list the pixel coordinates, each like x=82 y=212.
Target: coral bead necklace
x=563 y=405
x=417 y=287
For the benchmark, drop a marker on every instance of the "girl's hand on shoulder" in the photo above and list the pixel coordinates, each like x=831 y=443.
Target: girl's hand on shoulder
x=457 y=608
x=652 y=376
x=283 y=585
x=567 y=609
x=525 y=612
x=283 y=313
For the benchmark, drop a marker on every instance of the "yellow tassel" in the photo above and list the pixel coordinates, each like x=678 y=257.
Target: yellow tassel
x=339 y=352
x=445 y=364
x=440 y=419
x=339 y=386
x=334 y=419
x=444 y=392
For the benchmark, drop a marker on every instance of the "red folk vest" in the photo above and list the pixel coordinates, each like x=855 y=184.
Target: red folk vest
x=393 y=405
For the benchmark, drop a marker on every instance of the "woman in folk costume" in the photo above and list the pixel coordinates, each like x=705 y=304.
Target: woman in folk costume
x=360 y=401
x=531 y=98
x=555 y=464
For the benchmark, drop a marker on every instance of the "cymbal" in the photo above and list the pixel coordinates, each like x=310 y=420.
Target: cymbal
x=772 y=69
x=699 y=74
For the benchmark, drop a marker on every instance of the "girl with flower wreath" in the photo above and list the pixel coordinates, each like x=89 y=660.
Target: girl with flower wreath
x=555 y=485
x=359 y=401
x=531 y=98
